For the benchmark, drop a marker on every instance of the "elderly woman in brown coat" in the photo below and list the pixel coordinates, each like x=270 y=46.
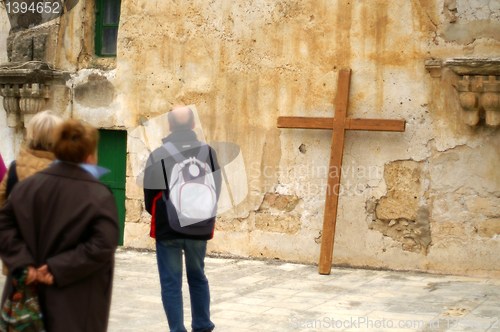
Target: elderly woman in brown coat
x=61 y=226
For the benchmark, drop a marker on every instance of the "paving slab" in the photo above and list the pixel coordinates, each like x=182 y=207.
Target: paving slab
x=262 y=296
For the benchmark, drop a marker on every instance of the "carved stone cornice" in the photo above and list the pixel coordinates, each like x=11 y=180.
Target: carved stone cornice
x=478 y=87
x=25 y=88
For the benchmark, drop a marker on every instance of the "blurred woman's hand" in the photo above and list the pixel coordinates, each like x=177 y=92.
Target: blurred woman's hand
x=44 y=276
x=31 y=276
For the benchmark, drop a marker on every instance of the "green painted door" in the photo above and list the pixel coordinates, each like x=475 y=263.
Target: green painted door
x=112 y=154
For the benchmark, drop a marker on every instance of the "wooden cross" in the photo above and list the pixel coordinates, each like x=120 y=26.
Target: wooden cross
x=340 y=123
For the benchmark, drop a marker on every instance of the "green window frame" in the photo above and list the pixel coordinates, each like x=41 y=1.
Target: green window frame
x=107 y=17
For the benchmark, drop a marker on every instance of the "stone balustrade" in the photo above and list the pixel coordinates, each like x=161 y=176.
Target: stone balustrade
x=25 y=88
x=480 y=97
x=22 y=101
x=478 y=87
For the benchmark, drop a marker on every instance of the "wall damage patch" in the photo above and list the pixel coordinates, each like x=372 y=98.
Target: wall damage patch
x=402 y=214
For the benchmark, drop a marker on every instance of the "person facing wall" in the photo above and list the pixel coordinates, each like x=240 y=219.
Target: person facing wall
x=172 y=240
x=60 y=227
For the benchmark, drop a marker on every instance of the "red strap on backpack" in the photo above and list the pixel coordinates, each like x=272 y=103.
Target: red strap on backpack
x=152 y=231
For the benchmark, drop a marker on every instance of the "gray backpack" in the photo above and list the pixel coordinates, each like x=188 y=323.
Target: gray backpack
x=192 y=200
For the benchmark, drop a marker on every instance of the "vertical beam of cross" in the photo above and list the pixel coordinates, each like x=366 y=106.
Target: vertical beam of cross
x=334 y=171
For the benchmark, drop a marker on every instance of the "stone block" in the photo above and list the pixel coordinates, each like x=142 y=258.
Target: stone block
x=133 y=190
x=136 y=235
x=404 y=191
x=488 y=228
x=400 y=214
x=134 y=208
x=234 y=224
x=279 y=223
x=285 y=203
x=276 y=214
x=28 y=47
x=483 y=206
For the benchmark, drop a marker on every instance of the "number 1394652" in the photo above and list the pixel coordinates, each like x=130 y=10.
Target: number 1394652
x=40 y=7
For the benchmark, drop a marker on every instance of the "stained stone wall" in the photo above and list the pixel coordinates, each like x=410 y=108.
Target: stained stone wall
x=409 y=201
x=425 y=199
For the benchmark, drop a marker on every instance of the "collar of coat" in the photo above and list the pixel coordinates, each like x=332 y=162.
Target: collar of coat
x=181 y=136
x=69 y=170
x=38 y=153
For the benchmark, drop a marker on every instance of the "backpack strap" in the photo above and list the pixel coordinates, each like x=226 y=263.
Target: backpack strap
x=164 y=174
x=174 y=152
x=11 y=178
x=211 y=160
x=204 y=153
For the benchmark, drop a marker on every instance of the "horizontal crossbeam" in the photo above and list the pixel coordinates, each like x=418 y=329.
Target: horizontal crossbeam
x=350 y=124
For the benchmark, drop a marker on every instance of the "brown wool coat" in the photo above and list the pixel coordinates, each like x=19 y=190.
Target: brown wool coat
x=64 y=217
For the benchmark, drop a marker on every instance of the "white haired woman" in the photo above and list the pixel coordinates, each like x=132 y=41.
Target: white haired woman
x=36 y=154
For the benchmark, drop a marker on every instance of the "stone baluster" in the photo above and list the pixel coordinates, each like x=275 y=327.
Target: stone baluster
x=469 y=101
x=490 y=101
x=32 y=100
x=480 y=94
x=10 y=95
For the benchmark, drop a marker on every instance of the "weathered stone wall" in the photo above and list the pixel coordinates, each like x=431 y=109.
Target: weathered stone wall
x=425 y=199
x=65 y=43
x=34 y=39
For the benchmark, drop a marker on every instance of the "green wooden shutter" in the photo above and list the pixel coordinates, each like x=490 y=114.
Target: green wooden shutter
x=112 y=154
x=107 y=17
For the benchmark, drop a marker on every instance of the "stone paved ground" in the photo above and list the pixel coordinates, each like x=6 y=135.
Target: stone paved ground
x=274 y=296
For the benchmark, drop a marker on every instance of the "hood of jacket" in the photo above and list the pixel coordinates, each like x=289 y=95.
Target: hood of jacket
x=30 y=161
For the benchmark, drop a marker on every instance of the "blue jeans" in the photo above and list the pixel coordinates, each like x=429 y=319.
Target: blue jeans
x=169 y=257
